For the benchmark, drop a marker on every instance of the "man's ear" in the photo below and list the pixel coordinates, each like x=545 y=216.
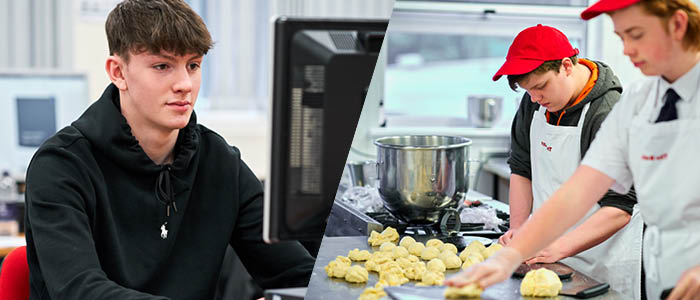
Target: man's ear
x=115 y=67
x=568 y=65
x=678 y=24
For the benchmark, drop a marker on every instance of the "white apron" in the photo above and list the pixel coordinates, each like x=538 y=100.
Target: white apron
x=664 y=165
x=555 y=153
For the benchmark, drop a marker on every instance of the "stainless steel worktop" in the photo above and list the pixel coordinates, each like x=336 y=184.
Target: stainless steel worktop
x=322 y=287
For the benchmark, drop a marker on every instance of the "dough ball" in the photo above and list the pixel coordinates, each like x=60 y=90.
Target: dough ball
x=406 y=241
x=434 y=243
x=429 y=253
x=490 y=250
x=432 y=278
x=415 y=271
x=388 y=235
x=450 y=259
x=469 y=252
x=540 y=283
x=468 y=291
x=449 y=247
x=343 y=259
x=372 y=294
x=359 y=255
x=399 y=252
x=336 y=269
x=356 y=274
x=387 y=247
x=475 y=246
x=472 y=259
x=436 y=265
x=413 y=258
x=416 y=248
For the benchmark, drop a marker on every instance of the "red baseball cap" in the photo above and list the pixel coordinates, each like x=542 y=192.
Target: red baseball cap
x=532 y=47
x=604 y=6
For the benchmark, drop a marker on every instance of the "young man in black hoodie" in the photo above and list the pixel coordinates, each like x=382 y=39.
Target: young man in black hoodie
x=567 y=99
x=135 y=200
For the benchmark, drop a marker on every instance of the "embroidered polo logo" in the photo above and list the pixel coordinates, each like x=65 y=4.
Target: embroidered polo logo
x=655 y=157
x=549 y=148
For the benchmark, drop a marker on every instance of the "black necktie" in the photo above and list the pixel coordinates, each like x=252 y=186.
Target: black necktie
x=668 y=111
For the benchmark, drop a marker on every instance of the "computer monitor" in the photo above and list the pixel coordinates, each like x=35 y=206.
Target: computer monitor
x=33 y=106
x=322 y=70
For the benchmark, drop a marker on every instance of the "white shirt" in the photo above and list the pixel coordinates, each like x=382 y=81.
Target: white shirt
x=610 y=148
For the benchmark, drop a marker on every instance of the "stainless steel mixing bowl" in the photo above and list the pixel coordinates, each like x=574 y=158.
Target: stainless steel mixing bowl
x=421 y=176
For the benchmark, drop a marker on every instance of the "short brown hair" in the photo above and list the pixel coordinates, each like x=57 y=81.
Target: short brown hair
x=550 y=65
x=664 y=9
x=155 y=25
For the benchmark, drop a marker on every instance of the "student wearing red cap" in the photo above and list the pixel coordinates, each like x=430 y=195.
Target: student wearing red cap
x=649 y=139
x=567 y=99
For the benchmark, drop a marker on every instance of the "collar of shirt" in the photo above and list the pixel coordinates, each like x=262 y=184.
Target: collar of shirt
x=686 y=86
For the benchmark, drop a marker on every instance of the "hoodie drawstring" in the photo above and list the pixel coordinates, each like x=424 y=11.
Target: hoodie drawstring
x=164 y=194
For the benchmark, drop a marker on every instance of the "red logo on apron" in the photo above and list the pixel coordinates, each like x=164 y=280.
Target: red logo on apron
x=655 y=157
x=546 y=147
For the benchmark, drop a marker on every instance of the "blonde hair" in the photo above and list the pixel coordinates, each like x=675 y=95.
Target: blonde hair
x=664 y=9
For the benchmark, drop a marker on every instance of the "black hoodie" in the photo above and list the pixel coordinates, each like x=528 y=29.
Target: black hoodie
x=605 y=93
x=96 y=203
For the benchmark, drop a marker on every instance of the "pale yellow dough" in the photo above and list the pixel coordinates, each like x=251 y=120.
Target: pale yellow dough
x=432 y=278
x=399 y=251
x=336 y=269
x=490 y=250
x=387 y=247
x=434 y=243
x=415 y=271
x=359 y=255
x=450 y=259
x=436 y=265
x=388 y=235
x=406 y=241
x=540 y=283
x=472 y=259
x=467 y=291
x=372 y=294
x=429 y=253
x=416 y=248
x=471 y=252
x=356 y=274
x=448 y=246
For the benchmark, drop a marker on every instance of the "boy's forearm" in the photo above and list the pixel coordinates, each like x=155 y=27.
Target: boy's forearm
x=520 y=200
x=600 y=226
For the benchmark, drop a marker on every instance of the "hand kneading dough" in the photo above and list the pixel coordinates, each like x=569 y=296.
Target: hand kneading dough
x=336 y=269
x=429 y=253
x=406 y=241
x=490 y=250
x=387 y=247
x=540 y=283
x=450 y=259
x=467 y=291
x=359 y=255
x=356 y=274
x=434 y=243
x=372 y=294
x=432 y=278
x=416 y=248
x=448 y=246
x=436 y=265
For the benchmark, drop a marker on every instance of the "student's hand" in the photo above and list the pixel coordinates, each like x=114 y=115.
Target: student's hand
x=507 y=237
x=548 y=255
x=497 y=268
x=688 y=287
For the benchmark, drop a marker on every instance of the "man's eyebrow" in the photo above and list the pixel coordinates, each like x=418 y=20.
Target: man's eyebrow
x=629 y=29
